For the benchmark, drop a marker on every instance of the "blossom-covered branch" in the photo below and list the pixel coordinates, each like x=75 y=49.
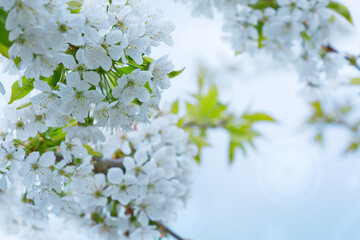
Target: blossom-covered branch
x=86 y=80
x=292 y=31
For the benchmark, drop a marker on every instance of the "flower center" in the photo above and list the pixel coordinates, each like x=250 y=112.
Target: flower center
x=9 y=156
x=20 y=124
x=138 y=169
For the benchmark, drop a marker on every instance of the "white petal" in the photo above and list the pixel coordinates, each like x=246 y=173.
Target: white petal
x=124 y=198
x=129 y=163
x=143 y=94
x=100 y=181
x=106 y=62
x=128 y=95
x=66 y=93
x=3 y=183
x=143 y=219
x=73 y=79
x=140 y=156
x=47 y=159
x=2 y=89
x=42 y=86
x=116 y=52
x=114 y=37
x=115 y=175
x=94 y=96
x=91 y=77
x=68 y=60
x=33 y=157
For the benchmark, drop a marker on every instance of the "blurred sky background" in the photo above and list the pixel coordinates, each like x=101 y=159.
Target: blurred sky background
x=289 y=188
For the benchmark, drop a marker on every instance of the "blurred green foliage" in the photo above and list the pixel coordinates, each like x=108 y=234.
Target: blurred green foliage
x=205 y=111
x=340 y=115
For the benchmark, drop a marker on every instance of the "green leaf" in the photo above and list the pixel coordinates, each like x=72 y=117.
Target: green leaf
x=305 y=36
x=355 y=81
x=235 y=142
x=208 y=102
x=340 y=9
x=263 y=4
x=319 y=138
x=316 y=105
x=57 y=76
x=353 y=147
x=191 y=109
x=4 y=35
x=261 y=38
x=18 y=92
x=201 y=78
x=200 y=142
x=255 y=117
x=175 y=73
x=91 y=151
x=232 y=148
x=75 y=5
x=56 y=133
x=24 y=105
x=3 y=15
x=144 y=66
x=175 y=107
x=126 y=70
x=147 y=61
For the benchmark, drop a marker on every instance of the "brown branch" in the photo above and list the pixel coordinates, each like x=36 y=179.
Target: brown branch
x=351 y=59
x=101 y=165
x=167 y=230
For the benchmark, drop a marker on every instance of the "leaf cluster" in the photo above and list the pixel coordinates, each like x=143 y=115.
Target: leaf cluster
x=341 y=116
x=205 y=112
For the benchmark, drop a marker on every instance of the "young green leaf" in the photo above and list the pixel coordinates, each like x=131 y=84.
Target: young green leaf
x=341 y=9
x=208 y=102
x=18 y=92
x=175 y=107
x=355 y=81
x=232 y=148
x=305 y=36
x=353 y=147
x=263 y=4
x=91 y=151
x=4 y=35
x=255 y=117
x=24 y=105
x=75 y=5
x=56 y=77
x=319 y=138
x=125 y=70
x=175 y=73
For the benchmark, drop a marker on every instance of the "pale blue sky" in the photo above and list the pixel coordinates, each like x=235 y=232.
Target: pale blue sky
x=291 y=189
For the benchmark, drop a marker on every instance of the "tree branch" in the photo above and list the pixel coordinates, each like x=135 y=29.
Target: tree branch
x=101 y=165
x=169 y=231
x=351 y=59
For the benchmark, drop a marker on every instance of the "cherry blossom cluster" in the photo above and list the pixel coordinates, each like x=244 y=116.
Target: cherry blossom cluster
x=294 y=31
x=87 y=59
x=123 y=188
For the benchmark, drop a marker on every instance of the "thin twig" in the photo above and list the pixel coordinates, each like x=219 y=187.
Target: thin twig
x=170 y=232
x=351 y=59
x=101 y=165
